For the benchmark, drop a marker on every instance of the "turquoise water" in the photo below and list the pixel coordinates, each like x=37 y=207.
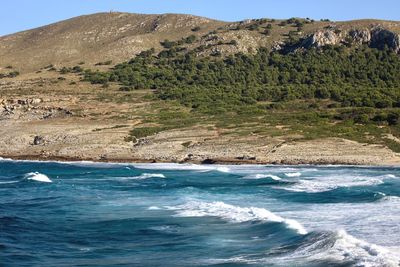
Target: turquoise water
x=86 y=214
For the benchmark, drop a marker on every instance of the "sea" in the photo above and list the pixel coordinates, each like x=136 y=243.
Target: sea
x=100 y=214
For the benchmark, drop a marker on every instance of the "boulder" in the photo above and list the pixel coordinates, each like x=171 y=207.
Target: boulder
x=36 y=101
x=38 y=140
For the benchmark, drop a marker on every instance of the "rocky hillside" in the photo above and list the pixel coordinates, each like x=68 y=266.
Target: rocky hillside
x=120 y=36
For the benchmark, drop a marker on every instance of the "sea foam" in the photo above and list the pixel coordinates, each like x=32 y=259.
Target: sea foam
x=39 y=177
x=262 y=176
x=366 y=254
x=293 y=174
x=323 y=184
x=143 y=176
x=338 y=246
x=235 y=214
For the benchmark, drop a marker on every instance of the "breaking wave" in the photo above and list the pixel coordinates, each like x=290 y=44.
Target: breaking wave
x=293 y=174
x=39 y=177
x=235 y=214
x=262 y=176
x=331 y=183
x=337 y=247
x=144 y=176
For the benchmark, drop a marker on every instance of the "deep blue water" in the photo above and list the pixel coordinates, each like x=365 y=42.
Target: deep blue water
x=85 y=214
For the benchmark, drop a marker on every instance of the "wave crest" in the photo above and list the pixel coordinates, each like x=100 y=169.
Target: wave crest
x=262 y=176
x=39 y=177
x=335 y=247
x=331 y=183
x=235 y=214
x=293 y=174
x=144 y=176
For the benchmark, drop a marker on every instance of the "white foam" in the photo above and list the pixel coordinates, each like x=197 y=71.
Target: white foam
x=39 y=177
x=143 y=176
x=222 y=169
x=293 y=174
x=341 y=247
x=323 y=184
x=234 y=214
x=182 y=167
x=391 y=198
x=262 y=176
x=367 y=254
x=173 y=166
x=9 y=182
x=150 y=175
x=154 y=208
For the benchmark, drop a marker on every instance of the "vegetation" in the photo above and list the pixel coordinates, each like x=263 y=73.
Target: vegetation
x=362 y=77
x=351 y=93
x=11 y=74
x=105 y=63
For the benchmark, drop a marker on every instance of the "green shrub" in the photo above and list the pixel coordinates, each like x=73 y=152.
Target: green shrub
x=145 y=131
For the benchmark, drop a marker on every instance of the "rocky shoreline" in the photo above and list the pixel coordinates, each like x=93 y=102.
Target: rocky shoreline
x=321 y=162
x=73 y=127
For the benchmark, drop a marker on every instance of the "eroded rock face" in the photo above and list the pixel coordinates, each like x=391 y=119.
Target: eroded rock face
x=322 y=38
x=377 y=38
x=360 y=36
x=382 y=37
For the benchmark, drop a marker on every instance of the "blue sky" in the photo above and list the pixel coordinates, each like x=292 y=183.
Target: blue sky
x=17 y=15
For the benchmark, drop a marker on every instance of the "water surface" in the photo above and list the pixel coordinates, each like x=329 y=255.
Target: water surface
x=86 y=214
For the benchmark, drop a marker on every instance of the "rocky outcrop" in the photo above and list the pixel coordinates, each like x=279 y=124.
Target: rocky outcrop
x=382 y=38
x=377 y=38
x=360 y=36
x=30 y=109
x=322 y=38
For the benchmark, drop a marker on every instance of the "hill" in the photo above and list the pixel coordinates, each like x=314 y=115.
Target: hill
x=93 y=38
x=120 y=36
x=118 y=86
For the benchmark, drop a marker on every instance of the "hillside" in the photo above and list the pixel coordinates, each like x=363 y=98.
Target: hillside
x=120 y=36
x=129 y=87
x=95 y=38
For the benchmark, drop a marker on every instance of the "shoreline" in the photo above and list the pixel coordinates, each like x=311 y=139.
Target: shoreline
x=232 y=162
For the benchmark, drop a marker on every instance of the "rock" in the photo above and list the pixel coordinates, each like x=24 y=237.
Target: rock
x=360 y=36
x=208 y=161
x=382 y=37
x=278 y=46
x=38 y=140
x=322 y=38
x=141 y=142
x=36 y=101
x=21 y=102
x=376 y=38
x=246 y=158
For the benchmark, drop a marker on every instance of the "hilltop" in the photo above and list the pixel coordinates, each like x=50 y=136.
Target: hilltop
x=131 y=87
x=118 y=37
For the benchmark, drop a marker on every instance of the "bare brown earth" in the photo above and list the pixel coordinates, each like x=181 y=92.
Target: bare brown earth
x=82 y=122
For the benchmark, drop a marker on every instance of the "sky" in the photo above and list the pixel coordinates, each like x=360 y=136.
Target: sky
x=18 y=15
